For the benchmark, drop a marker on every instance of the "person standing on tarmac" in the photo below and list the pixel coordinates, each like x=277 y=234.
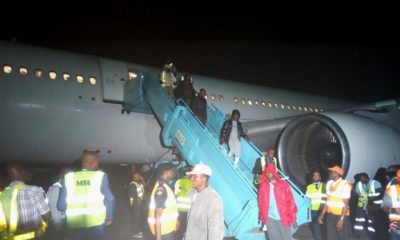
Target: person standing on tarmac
x=183 y=202
x=136 y=194
x=391 y=205
x=87 y=200
x=316 y=191
x=368 y=192
x=338 y=193
x=24 y=212
x=163 y=212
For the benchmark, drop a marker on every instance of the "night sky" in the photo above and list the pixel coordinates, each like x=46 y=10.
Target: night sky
x=340 y=49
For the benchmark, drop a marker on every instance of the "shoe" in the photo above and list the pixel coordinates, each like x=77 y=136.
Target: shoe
x=137 y=235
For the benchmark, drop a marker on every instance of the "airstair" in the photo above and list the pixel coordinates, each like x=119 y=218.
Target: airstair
x=198 y=143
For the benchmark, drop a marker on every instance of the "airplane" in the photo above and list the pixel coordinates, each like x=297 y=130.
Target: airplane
x=55 y=104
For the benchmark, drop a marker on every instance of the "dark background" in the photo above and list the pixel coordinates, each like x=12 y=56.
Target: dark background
x=341 y=49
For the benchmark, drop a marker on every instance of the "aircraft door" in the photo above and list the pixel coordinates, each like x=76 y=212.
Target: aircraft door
x=115 y=75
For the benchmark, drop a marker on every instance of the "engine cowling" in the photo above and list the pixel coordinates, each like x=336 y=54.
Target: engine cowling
x=318 y=141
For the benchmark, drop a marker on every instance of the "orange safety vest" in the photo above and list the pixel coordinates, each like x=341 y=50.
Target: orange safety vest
x=334 y=199
x=393 y=192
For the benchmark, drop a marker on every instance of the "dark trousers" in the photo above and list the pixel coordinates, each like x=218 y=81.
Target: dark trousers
x=136 y=214
x=169 y=236
x=363 y=223
x=333 y=233
x=97 y=232
x=316 y=227
x=182 y=218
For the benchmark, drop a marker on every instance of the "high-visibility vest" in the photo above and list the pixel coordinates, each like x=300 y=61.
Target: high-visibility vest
x=317 y=196
x=363 y=195
x=334 y=200
x=182 y=188
x=139 y=190
x=263 y=164
x=169 y=214
x=85 y=202
x=393 y=192
x=9 y=216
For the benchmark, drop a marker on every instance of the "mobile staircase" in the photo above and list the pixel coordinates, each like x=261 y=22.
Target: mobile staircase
x=198 y=143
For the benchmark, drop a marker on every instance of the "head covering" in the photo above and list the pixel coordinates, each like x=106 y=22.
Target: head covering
x=270 y=168
x=200 y=169
x=337 y=170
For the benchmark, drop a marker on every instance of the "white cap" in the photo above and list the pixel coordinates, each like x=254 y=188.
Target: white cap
x=200 y=169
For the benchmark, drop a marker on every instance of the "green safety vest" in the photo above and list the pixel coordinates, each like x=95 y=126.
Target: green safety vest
x=317 y=196
x=363 y=195
x=182 y=188
x=139 y=190
x=85 y=202
x=9 y=216
x=263 y=164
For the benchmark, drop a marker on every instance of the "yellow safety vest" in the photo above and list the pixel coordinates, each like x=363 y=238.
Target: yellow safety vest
x=139 y=190
x=263 y=164
x=317 y=196
x=393 y=192
x=363 y=195
x=85 y=202
x=334 y=201
x=9 y=216
x=182 y=188
x=169 y=215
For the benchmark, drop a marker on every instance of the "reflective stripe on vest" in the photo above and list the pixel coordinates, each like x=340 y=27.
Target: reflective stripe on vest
x=317 y=197
x=393 y=192
x=182 y=188
x=85 y=202
x=169 y=214
x=9 y=214
x=139 y=190
x=335 y=201
x=363 y=196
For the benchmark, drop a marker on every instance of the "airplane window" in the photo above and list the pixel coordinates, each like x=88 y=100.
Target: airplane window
x=287 y=106
x=23 y=71
x=92 y=80
x=256 y=102
x=300 y=108
x=7 y=69
x=282 y=106
x=276 y=105
x=305 y=109
x=294 y=107
x=213 y=97
x=270 y=104
x=132 y=75
x=52 y=75
x=66 y=76
x=322 y=110
x=221 y=98
x=235 y=99
x=316 y=110
x=263 y=103
x=38 y=73
x=250 y=102
x=243 y=101
x=311 y=109
x=79 y=78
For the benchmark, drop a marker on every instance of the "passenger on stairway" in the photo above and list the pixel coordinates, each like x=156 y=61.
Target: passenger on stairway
x=168 y=77
x=199 y=106
x=231 y=133
x=185 y=90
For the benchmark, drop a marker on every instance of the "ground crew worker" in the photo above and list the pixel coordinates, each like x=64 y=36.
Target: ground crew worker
x=136 y=194
x=338 y=193
x=183 y=202
x=261 y=162
x=368 y=192
x=316 y=191
x=163 y=212
x=391 y=205
x=24 y=212
x=87 y=200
